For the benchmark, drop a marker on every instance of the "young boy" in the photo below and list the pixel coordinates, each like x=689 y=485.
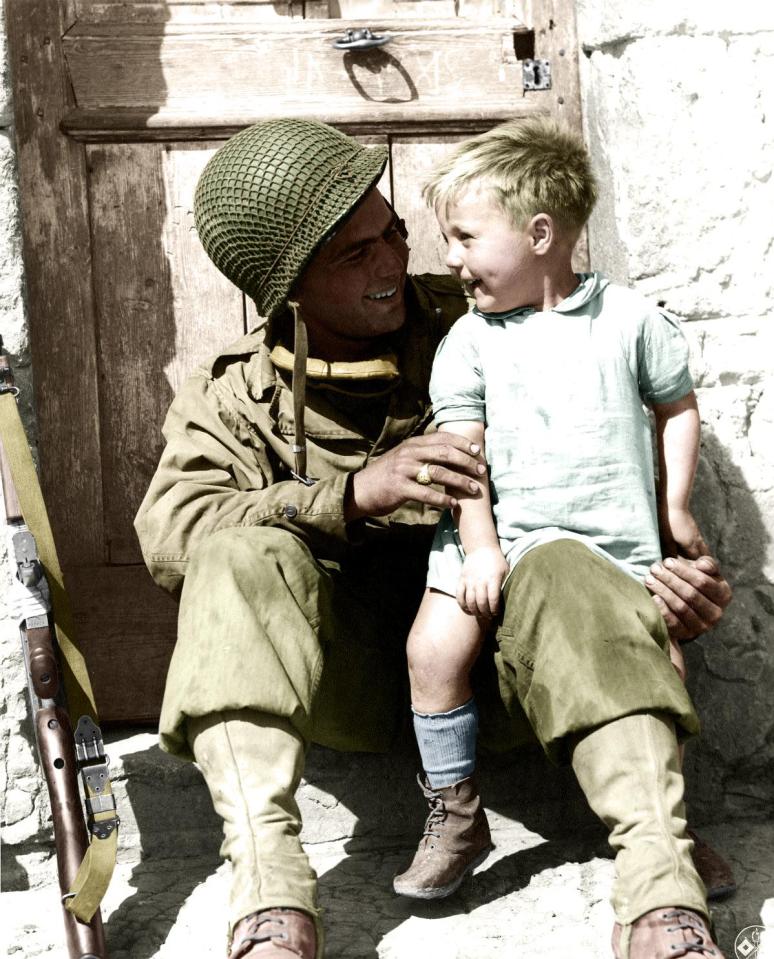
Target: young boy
x=548 y=374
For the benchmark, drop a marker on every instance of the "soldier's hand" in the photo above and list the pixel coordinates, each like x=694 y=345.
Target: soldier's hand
x=444 y=459
x=692 y=594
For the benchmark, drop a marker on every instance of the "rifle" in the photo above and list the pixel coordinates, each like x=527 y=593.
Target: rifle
x=55 y=670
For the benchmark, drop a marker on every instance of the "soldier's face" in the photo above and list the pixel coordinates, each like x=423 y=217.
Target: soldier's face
x=352 y=291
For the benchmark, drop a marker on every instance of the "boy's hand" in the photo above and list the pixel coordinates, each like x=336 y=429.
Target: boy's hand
x=680 y=535
x=481 y=580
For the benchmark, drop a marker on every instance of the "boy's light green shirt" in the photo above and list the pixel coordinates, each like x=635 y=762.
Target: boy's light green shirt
x=567 y=438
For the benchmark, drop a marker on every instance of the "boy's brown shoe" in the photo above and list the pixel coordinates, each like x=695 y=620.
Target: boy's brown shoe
x=274 y=934
x=666 y=932
x=456 y=840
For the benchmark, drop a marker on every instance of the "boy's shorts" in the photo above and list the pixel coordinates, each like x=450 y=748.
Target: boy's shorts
x=447 y=555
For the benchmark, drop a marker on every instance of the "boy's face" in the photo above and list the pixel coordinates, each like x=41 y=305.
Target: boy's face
x=495 y=260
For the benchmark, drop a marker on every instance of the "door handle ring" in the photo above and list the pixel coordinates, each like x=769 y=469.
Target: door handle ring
x=361 y=39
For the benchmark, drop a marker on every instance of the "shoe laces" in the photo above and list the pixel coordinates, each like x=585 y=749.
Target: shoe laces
x=437 y=814
x=270 y=920
x=689 y=922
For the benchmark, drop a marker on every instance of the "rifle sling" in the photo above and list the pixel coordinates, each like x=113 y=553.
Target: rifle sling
x=96 y=868
x=93 y=876
x=80 y=698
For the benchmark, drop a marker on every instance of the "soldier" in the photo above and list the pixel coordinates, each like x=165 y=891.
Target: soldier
x=291 y=509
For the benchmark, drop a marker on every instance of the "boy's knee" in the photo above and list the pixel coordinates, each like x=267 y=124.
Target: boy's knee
x=420 y=656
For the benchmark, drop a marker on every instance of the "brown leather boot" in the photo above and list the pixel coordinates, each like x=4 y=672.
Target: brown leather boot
x=666 y=932
x=456 y=840
x=274 y=934
x=715 y=872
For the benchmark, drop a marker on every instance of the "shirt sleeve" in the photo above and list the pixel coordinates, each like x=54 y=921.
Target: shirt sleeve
x=662 y=359
x=212 y=477
x=457 y=382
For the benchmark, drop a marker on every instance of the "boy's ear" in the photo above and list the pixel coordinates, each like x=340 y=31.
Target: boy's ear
x=542 y=232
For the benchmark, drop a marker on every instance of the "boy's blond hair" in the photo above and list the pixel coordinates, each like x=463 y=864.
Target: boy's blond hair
x=529 y=166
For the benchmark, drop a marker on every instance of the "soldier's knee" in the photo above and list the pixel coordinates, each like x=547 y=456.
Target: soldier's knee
x=559 y=559
x=256 y=552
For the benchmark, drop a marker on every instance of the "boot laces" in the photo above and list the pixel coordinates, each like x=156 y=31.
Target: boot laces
x=688 y=922
x=437 y=814
x=259 y=919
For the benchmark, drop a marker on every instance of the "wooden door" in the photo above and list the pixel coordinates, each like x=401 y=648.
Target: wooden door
x=119 y=105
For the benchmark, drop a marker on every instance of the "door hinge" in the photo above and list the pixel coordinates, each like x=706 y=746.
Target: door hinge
x=536 y=74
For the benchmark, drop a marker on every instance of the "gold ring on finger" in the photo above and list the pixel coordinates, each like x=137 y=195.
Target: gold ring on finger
x=423 y=476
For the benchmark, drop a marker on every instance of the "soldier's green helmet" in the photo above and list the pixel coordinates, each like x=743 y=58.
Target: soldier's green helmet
x=270 y=196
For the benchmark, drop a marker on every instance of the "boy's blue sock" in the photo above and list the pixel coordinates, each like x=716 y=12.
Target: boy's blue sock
x=447 y=743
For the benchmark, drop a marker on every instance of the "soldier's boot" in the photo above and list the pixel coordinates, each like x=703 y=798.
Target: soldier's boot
x=274 y=934
x=455 y=840
x=665 y=932
x=252 y=764
x=629 y=770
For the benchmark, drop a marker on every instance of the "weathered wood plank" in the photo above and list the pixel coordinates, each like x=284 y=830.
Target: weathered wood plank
x=207 y=11
x=437 y=68
x=98 y=126
x=126 y=627
x=384 y=9
x=412 y=160
x=57 y=257
x=556 y=39
x=186 y=11
x=162 y=308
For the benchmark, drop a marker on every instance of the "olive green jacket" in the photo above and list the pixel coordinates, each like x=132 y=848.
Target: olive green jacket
x=229 y=432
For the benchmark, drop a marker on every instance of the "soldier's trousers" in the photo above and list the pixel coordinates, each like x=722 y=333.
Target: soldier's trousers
x=277 y=650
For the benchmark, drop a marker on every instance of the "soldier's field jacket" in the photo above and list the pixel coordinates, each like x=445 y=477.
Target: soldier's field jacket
x=229 y=432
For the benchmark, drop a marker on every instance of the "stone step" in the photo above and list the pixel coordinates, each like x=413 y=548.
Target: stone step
x=543 y=892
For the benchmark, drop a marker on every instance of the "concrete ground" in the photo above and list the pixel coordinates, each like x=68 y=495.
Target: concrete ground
x=542 y=894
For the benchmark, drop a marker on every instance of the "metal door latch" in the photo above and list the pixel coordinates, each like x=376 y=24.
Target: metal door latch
x=361 y=39
x=536 y=74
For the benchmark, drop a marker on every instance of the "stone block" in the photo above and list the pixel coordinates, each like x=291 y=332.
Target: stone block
x=686 y=178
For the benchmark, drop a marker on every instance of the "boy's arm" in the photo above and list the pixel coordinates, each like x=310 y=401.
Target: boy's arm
x=677 y=434
x=485 y=567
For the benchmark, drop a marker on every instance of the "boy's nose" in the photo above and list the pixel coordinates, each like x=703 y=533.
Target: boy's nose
x=453 y=258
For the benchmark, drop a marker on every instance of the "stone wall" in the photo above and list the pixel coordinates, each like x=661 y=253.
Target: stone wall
x=679 y=113
x=679 y=106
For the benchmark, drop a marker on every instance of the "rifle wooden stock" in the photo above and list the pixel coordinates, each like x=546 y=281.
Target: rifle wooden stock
x=57 y=756
x=42 y=663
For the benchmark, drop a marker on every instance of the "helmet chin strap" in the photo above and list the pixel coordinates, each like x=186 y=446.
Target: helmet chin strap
x=380 y=370
x=298 y=388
